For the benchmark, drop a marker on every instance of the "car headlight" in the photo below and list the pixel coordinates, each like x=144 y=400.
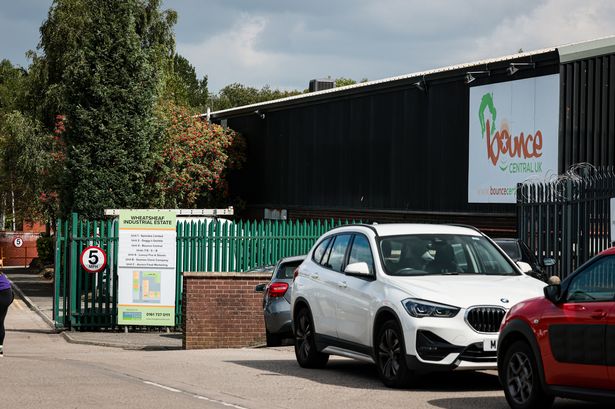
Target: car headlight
x=421 y=308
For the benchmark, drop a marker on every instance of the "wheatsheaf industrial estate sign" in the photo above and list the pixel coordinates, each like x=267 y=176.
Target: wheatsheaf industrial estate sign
x=513 y=137
x=146 y=267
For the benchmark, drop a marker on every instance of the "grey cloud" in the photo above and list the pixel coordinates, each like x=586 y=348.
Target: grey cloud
x=284 y=43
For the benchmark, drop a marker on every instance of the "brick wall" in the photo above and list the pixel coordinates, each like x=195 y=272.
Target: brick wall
x=18 y=256
x=221 y=310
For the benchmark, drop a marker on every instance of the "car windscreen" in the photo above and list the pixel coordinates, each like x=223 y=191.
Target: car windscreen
x=286 y=270
x=511 y=248
x=438 y=254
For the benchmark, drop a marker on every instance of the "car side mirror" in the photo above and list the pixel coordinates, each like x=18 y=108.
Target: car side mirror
x=260 y=288
x=525 y=267
x=548 y=261
x=357 y=269
x=553 y=293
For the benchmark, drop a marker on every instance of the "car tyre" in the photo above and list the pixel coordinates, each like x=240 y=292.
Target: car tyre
x=522 y=386
x=273 y=340
x=391 y=356
x=305 y=346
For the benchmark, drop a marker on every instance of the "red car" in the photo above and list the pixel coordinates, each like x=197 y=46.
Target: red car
x=562 y=344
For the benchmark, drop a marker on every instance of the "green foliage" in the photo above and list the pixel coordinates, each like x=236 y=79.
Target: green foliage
x=236 y=94
x=12 y=90
x=104 y=64
x=45 y=246
x=342 y=82
x=26 y=164
x=196 y=158
x=182 y=86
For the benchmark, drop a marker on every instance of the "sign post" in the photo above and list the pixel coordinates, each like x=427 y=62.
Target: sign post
x=146 y=267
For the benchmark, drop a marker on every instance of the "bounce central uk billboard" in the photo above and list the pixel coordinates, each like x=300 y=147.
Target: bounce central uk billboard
x=513 y=137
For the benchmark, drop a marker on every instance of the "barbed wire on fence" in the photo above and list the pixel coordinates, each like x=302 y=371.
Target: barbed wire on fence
x=566 y=186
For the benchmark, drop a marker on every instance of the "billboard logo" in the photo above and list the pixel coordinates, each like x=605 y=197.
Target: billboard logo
x=511 y=153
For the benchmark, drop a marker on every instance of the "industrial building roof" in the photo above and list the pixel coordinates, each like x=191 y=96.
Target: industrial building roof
x=567 y=53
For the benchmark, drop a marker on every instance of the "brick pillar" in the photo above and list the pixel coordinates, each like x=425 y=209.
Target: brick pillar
x=221 y=310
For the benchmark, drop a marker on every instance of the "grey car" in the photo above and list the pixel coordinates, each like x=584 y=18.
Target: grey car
x=276 y=300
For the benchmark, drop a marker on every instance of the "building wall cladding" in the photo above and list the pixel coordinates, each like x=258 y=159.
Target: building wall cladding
x=398 y=149
x=222 y=310
x=587 y=112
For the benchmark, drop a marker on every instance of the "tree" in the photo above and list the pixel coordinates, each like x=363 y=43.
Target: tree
x=13 y=128
x=342 y=82
x=12 y=87
x=103 y=64
x=28 y=168
x=196 y=157
x=183 y=87
x=234 y=95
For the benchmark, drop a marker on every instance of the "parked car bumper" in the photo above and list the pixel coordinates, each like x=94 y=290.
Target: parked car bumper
x=448 y=344
x=277 y=317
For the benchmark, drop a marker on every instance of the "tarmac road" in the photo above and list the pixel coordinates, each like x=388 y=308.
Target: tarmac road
x=41 y=370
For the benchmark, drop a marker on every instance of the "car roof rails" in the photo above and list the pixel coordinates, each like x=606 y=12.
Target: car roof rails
x=369 y=226
x=468 y=226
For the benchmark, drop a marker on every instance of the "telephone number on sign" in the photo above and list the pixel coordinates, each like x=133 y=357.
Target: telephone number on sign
x=158 y=314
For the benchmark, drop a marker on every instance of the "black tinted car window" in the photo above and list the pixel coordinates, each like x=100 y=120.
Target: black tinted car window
x=595 y=283
x=338 y=251
x=422 y=254
x=511 y=248
x=320 y=250
x=529 y=254
x=361 y=252
x=286 y=270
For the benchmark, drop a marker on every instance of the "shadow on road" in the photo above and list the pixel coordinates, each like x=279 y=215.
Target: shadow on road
x=491 y=402
x=494 y=402
x=354 y=374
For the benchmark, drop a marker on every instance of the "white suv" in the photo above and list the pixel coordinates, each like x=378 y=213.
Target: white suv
x=410 y=298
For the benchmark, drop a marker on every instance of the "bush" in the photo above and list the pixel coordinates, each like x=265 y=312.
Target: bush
x=45 y=245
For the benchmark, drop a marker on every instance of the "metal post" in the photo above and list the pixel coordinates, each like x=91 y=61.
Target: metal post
x=56 y=281
x=73 y=268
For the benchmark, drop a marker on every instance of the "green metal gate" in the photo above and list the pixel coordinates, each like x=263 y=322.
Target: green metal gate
x=89 y=301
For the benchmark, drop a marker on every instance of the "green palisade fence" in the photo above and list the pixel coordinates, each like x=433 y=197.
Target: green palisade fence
x=88 y=301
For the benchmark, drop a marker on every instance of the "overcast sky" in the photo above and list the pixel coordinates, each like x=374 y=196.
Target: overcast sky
x=285 y=43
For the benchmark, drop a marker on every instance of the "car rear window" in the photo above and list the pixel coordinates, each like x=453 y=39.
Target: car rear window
x=286 y=270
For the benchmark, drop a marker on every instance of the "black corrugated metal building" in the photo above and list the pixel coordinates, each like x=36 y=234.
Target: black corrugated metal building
x=397 y=149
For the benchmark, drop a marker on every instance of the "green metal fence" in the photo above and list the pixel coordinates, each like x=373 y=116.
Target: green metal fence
x=88 y=301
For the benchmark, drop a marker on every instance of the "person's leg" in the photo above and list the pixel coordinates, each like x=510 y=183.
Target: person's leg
x=6 y=298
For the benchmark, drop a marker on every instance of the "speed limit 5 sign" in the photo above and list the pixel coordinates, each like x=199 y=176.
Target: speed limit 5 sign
x=93 y=259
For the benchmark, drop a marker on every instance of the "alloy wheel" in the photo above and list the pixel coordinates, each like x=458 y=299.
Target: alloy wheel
x=304 y=336
x=389 y=351
x=520 y=377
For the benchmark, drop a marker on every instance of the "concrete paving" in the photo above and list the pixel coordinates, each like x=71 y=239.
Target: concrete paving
x=37 y=293
x=40 y=369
